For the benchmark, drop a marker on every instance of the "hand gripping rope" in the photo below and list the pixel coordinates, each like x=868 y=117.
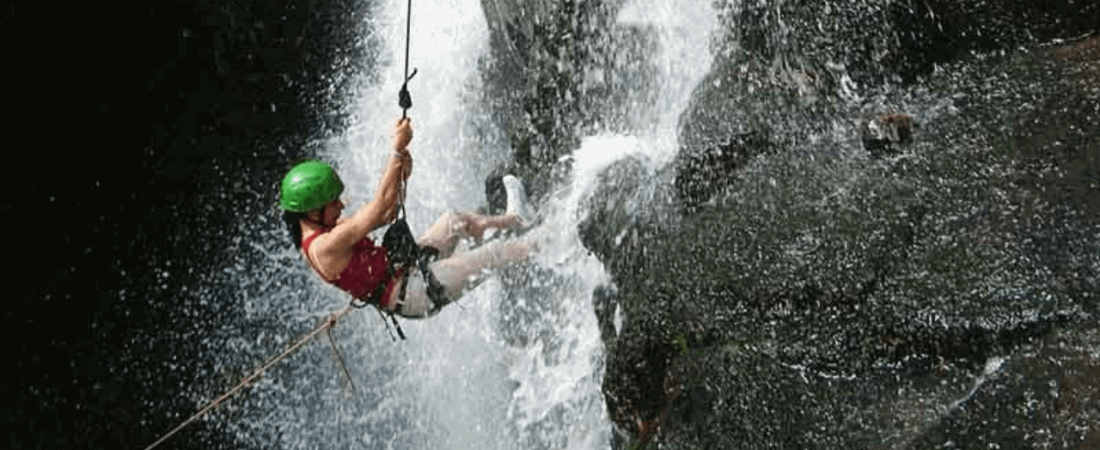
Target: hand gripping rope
x=405 y=102
x=399 y=239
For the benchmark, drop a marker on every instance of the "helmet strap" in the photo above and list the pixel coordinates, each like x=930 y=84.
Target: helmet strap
x=320 y=218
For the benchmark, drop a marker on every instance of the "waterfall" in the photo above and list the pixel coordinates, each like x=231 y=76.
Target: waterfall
x=683 y=34
x=518 y=361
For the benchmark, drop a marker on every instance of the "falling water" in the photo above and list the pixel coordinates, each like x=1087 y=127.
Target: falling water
x=518 y=362
x=684 y=33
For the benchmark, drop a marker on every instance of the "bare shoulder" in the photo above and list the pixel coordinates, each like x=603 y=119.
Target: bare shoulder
x=328 y=254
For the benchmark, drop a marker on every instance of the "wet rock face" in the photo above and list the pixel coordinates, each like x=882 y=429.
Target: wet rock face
x=1054 y=142
x=540 y=53
x=640 y=394
x=701 y=175
x=904 y=38
x=845 y=302
x=940 y=31
x=1045 y=396
x=885 y=132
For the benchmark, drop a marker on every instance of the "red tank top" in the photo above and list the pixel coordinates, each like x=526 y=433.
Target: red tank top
x=366 y=270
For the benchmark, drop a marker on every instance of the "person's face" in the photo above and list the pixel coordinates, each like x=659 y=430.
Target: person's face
x=331 y=212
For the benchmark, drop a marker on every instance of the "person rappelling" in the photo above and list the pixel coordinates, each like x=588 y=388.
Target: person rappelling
x=409 y=277
x=341 y=251
x=405 y=276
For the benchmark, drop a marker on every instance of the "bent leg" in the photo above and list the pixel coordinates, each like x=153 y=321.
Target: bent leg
x=457 y=273
x=445 y=233
x=463 y=271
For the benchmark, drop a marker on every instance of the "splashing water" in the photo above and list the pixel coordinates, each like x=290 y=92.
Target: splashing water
x=518 y=361
x=683 y=59
x=447 y=43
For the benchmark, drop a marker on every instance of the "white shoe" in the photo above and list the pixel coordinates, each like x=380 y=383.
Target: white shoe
x=516 y=196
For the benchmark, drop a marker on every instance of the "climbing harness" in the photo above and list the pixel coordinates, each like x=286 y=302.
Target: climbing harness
x=405 y=255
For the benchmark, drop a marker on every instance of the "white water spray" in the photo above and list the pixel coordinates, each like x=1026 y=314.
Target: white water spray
x=457 y=382
x=447 y=41
x=476 y=376
x=683 y=59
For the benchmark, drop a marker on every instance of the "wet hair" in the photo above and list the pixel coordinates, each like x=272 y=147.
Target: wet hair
x=294 y=227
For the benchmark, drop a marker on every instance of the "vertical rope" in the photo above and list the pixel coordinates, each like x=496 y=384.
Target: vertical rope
x=404 y=99
x=408 y=34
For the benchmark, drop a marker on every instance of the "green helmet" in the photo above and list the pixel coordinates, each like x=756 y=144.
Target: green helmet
x=309 y=186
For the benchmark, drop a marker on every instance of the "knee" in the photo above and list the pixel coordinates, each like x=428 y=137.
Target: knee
x=455 y=221
x=448 y=218
x=469 y=225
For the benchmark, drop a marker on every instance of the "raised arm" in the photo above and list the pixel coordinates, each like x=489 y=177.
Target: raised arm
x=383 y=207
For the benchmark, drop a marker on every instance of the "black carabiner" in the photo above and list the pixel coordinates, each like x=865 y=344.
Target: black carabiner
x=404 y=99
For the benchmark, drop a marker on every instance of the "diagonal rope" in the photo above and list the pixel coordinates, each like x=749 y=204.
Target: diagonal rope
x=405 y=102
x=328 y=324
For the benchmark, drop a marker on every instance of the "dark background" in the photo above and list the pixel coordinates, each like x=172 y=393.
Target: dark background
x=136 y=133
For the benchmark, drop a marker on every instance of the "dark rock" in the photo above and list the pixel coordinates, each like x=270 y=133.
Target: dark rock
x=1059 y=129
x=1045 y=396
x=629 y=203
x=882 y=133
x=841 y=301
x=932 y=32
x=640 y=394
x=874 y=43
x=700 y=175
x=536 y=51
x=806 y=45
